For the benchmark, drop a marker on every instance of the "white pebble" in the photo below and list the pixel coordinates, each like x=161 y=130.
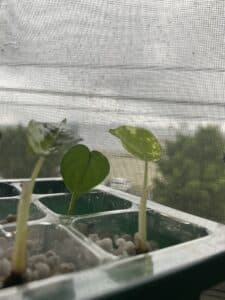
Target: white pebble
x=126 y=237
x=94 y=237
x=53 y=261
x=106 y=244
x=130 y=248
x=42 y=269
x=120 y=251
x=39 y=258
x=66 y=267
x=33 y=260
x=120 y=242
x=50 y=253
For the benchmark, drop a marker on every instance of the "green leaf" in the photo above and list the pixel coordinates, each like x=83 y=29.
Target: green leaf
x=83 y=169
x=46 y=138
x=139 y=142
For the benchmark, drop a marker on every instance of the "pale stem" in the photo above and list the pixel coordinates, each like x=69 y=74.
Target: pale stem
x=142 y=221
x=19 y=250
x=72 y=203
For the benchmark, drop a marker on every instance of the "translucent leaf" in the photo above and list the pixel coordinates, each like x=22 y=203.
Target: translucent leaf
x=83 y=169
x=139 y=142
x=46 y=138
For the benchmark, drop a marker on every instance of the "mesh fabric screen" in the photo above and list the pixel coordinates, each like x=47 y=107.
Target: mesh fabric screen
x=154 y=64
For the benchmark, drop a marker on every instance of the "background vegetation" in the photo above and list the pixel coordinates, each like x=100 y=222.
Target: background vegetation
x=15 y=159
x=192 y=169
x=193 y=173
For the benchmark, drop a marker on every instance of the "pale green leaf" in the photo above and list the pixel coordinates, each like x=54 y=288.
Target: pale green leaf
x=140 y=142
x=46 y=138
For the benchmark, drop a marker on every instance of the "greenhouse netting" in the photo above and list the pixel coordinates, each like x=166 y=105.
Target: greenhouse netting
x=154 y=64
x=100 y=64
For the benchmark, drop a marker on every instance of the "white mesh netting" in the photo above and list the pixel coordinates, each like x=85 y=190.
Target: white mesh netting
x=156 y=64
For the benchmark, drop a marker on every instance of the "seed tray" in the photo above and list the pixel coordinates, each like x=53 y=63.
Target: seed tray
x=185 y=241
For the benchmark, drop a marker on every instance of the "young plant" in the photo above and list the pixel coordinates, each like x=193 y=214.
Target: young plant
x=82 y=170
x=43 y=139
x=143 y=144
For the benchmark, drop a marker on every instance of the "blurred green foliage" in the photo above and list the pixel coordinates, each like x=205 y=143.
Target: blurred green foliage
x=16 y=161
x=193 y=174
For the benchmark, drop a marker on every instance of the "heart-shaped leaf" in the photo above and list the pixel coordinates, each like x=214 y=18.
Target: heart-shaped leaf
x=83 y=169
x=140 y=142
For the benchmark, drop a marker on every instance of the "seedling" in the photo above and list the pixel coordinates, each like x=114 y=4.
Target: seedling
x=82 y=170
x=142 y=144
x=43 y=139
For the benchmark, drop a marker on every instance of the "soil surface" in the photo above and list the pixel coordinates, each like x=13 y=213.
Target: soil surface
x=122 y=245
x=67 y=256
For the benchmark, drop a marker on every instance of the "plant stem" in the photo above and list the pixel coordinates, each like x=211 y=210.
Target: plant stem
x=72 y=203
x=19 y=251
x=142 y=222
